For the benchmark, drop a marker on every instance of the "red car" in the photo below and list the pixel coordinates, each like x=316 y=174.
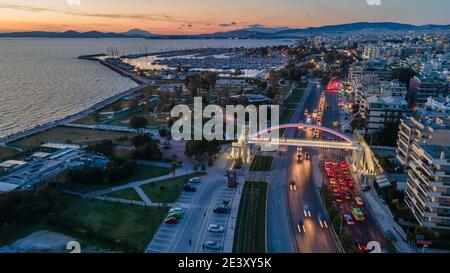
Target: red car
x=171 y=220
x=327 y=162
x=334 y=163
x=332 y=181
x=336 y=190
x=362 y=247
x=344 y=165
x=350 y=185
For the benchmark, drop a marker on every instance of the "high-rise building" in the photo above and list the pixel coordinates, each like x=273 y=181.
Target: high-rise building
x=428 y=192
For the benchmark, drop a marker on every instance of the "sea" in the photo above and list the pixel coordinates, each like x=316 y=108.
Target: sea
x=42 y=80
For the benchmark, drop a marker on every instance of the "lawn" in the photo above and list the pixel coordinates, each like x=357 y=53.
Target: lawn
x=11 y=233
x=167 y=191
x=141 y=173
x=250 y=234
x=7 y=153
x=129 y=194
x=107 y=224
x=69 y=135
x=261 y=164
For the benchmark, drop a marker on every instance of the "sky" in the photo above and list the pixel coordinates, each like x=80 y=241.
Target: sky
x=206 y=16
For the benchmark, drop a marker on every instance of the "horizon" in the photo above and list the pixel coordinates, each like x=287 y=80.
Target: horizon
x=175 y=17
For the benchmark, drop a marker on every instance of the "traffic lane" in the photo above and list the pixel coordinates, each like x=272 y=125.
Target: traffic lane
x=316 y=239
x=196 y=215
x=367 y=230
x=279 y=231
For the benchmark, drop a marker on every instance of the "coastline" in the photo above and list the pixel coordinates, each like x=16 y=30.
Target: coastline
x=71 y=118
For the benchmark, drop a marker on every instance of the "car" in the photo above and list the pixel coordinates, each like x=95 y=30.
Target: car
x=327 y=168
x=176 y=214
x=344 y=165
x=327 y=162
x=322 y=220
x=212 y=245
x=195 y=180
x=359 y=201
x=215 y=228
x=336 y=190
x=301 y=227
x=292 y=186
x=307 y=211
x=189 y=188
x=332 y=181
x=361 y=247
x=358 y=214
x=350 y=185
x=171 y=220
x=349 y=219
x=221 y=210
x=334 y=163
x=299 y=149
x=336 y=169
x=175 y=210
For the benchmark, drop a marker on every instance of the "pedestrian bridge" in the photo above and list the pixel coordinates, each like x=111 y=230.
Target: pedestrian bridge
x=362 y=156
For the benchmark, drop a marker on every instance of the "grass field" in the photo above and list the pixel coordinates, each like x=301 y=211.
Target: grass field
x=129 y=194
x=250 y=234
x=107 y=224
x=167 y=191
x=141 y=173
x=68 y=135
x=7 y=153
x=261 y=164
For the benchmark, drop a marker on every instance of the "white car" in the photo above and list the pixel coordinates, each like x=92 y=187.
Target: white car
x=212 y=245
x=215 y=228
x=175 y=210
x=195 y=180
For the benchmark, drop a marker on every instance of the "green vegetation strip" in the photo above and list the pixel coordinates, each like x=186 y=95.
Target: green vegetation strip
x=141 y=172
x=107 y=224
x=261 y=164
x=167 y=191
x=250 y=234
x=129 y=194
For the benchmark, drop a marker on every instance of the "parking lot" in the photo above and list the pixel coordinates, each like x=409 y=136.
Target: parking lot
x=223 y=194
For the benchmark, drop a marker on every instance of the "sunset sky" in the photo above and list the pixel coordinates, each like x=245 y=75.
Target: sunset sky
x=204 y=16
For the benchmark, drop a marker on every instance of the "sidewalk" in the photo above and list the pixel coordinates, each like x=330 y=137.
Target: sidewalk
x=385 y=221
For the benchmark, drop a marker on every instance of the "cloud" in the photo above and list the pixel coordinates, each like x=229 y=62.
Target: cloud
x=145 y=17
x=232 y=24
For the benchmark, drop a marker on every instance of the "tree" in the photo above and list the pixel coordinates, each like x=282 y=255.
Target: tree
x=201 y=148
x=210 y=79
x=105 y=147
x=140 y=140
x=192 y=83
x=403 y=75
x=138 y=122
x=149 y=151
x=273 y=78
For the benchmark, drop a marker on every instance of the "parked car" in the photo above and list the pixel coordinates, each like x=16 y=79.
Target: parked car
x=171 y=220
x=212 y=245
x=176 y=214
x=195 y=180
x=189 y=188
x=215 y=228
x=221 y=210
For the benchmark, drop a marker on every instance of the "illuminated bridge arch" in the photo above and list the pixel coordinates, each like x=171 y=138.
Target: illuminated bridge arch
x=303 y=125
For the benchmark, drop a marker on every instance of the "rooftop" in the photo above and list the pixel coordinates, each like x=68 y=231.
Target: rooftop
x=435 y=151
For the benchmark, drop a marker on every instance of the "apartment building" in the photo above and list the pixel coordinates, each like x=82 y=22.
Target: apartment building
x=421 y=88
x=428 y=192
x=380 y=110
x=430 y=125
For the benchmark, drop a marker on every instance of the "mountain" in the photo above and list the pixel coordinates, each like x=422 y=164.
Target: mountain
x=65 y=34
x=361 y=26
x=138 y=33
x=251 y=32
